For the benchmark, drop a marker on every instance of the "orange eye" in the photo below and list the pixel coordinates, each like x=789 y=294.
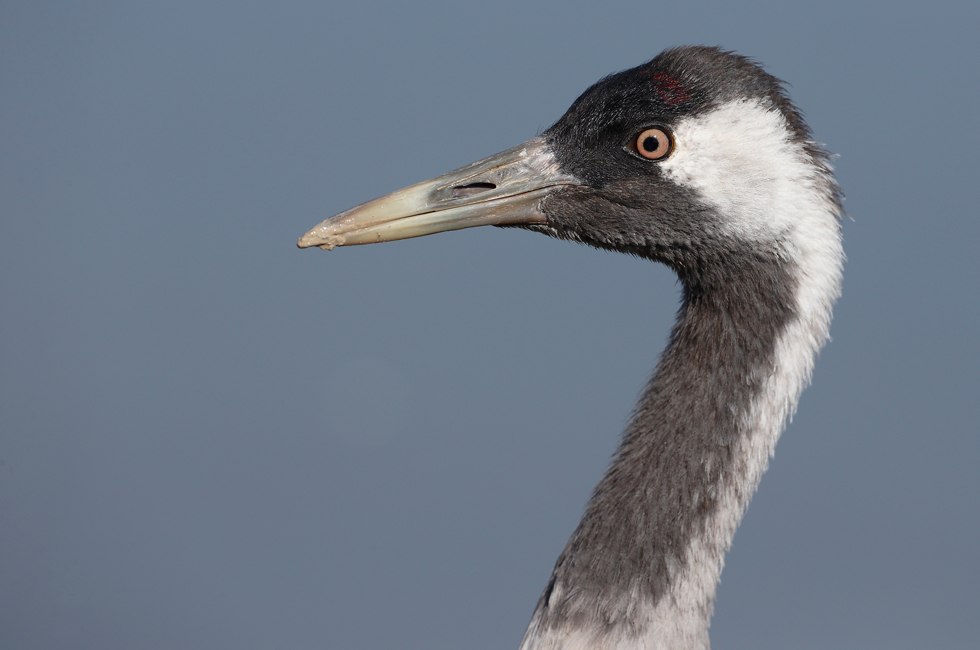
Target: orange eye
x=653 y=143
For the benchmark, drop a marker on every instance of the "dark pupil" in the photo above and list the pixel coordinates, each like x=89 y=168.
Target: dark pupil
x=650 y=143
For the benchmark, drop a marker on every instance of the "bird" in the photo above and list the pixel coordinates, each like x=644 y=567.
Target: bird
x=698 y=160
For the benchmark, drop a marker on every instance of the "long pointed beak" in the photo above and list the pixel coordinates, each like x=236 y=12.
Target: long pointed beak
x=504 y=189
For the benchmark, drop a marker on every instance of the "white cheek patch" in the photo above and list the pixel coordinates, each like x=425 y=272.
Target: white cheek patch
x=741 y=159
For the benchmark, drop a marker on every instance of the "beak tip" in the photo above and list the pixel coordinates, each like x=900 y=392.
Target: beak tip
x=323 y=241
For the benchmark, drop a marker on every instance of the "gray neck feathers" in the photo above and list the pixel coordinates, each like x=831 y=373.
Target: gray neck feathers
x=642 y=566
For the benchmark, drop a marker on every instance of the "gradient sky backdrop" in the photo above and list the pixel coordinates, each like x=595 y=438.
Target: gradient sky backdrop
x=210 y=439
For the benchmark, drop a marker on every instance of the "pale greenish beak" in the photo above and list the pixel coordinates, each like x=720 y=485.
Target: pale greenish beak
x=504 y=189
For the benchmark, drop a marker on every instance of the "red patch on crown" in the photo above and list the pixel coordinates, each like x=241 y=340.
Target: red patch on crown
x=669 y=90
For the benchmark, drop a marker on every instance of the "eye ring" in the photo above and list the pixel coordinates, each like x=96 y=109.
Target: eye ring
x=652 y=143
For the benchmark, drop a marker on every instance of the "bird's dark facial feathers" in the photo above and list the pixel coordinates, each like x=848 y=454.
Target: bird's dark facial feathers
x=627 y=203
x=589 y=139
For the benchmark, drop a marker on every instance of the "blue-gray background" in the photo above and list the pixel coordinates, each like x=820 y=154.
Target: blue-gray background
x=209 y=439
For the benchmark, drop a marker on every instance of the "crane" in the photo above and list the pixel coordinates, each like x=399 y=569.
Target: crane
x=696 y=159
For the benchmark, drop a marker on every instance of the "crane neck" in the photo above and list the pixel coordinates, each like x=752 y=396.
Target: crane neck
x=642 y=567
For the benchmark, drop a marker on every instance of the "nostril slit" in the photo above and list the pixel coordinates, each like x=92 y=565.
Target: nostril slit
x=471 y=189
